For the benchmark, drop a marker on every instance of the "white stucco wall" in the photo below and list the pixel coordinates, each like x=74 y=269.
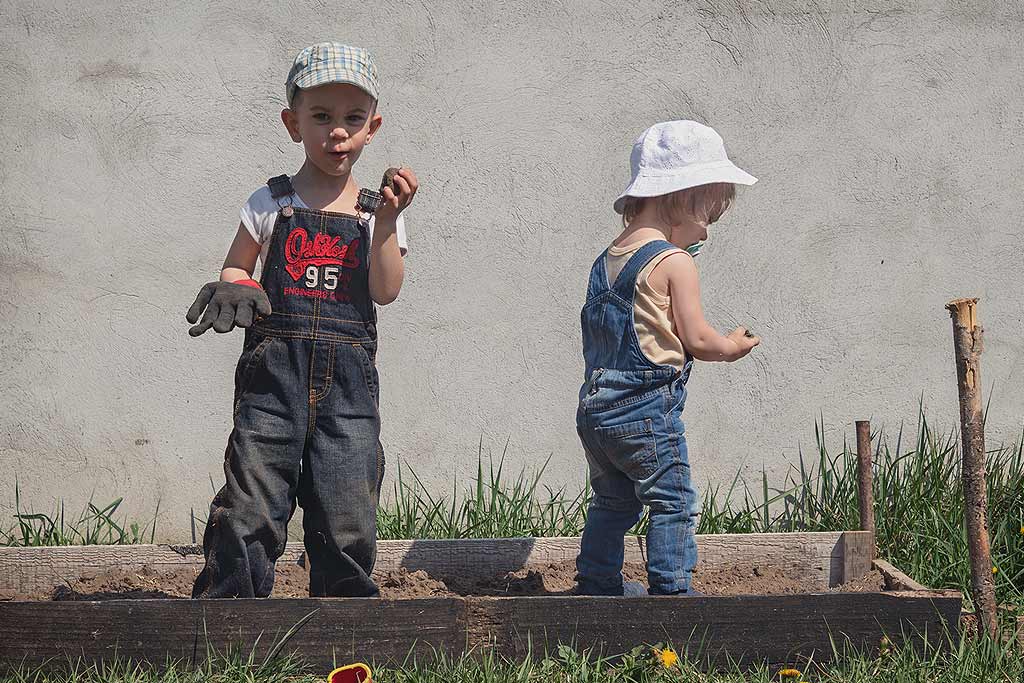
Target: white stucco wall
x=886 y=136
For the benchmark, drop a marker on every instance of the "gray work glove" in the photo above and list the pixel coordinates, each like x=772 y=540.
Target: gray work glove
x=228 y=304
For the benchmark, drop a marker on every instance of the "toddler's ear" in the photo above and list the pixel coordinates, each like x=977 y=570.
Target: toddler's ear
x=292 y=124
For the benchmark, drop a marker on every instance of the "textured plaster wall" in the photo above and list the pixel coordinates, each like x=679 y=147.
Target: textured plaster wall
x=887 y=136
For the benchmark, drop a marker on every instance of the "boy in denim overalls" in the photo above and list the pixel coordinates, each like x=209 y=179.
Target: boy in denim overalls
x=642 y=328
x=306 y=423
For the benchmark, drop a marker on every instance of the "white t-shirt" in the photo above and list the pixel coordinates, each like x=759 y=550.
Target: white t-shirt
x=260 y=213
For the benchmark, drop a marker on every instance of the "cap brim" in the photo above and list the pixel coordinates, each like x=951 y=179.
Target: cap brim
x=654 y=186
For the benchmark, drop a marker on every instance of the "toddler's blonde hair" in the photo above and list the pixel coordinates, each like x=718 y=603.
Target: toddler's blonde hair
x=703 y=202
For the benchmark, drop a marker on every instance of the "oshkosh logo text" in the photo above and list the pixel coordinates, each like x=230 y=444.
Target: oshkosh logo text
x=301 y=252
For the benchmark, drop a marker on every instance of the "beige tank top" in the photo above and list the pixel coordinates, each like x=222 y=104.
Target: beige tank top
x=652 y=317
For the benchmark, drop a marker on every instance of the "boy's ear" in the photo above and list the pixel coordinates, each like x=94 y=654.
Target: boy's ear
x=291 y=122
x=375 y=122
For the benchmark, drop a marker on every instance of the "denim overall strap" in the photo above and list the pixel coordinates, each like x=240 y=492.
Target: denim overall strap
x=598 y=283
x=625 y=284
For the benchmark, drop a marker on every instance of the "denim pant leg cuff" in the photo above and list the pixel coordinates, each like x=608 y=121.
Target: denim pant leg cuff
x=588 y=587
x=597 y=578
x=670 y=588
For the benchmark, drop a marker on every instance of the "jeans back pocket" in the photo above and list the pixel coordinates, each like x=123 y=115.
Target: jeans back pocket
x=631 y=447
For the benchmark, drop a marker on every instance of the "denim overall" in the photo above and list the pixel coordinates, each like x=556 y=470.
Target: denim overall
x=306 y=424
x=629 y=420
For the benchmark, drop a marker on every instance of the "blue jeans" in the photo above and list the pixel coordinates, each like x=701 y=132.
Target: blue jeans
x=635 y=444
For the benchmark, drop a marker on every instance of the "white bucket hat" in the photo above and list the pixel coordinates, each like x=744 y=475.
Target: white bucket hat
x=676 y=155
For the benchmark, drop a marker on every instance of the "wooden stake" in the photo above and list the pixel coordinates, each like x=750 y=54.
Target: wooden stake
x=967 y=346
x=865 y=481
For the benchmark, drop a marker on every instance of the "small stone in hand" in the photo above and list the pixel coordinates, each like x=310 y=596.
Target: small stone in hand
x=389 y=180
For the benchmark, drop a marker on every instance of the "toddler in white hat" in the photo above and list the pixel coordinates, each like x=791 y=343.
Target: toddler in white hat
x=642 y=328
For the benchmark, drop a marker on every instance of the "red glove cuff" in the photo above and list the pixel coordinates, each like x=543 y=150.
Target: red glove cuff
x=249 y=283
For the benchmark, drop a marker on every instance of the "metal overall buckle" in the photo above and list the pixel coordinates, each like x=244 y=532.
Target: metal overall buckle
x=370 y=200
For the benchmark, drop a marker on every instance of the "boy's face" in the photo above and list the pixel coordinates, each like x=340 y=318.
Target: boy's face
x=333 y=122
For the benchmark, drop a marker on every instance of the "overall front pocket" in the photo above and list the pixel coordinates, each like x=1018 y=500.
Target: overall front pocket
x=249 y=363
x=366 y=362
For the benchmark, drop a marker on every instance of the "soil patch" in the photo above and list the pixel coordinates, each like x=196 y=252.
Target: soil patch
x=292 y=581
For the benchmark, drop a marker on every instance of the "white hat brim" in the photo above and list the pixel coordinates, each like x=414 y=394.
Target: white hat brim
x=682 y=179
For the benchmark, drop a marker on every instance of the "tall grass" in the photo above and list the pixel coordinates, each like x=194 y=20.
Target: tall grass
x=94 y=525
x=497 y=505
x=919 y=505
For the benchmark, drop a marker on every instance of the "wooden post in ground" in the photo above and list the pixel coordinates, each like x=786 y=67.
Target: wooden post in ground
x=865 y=481
x=967 y=349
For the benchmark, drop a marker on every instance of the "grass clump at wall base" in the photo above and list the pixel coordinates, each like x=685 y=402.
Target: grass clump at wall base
x=919 y=506
x=93 y=526
x=496 y=505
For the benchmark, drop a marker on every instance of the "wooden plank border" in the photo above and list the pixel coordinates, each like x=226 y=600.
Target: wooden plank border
x=858 y=550
x=824 y=558
x=340 y=629
x=778 y=628
x=744 y=629
x=895 y=579
x=346 y=629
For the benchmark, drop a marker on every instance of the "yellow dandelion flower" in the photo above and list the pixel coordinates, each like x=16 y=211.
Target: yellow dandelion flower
x=666 y=657
x=995 y=570
x=1022 y=529
x=789 y=673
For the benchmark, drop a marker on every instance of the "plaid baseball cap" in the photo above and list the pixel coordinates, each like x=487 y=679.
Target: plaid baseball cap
x=332 y=63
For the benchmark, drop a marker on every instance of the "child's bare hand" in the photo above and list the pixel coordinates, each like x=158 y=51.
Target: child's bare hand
x=744 y=341
x=394 y=203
